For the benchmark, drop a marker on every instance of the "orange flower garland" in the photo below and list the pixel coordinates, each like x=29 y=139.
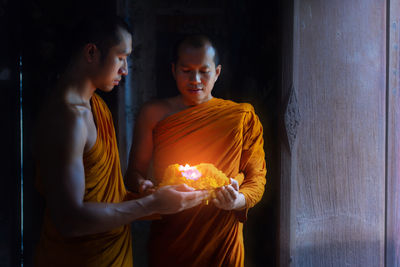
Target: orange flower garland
x=204 y=176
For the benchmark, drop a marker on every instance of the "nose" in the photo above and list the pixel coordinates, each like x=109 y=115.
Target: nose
x=195 y=77
x=124 y=68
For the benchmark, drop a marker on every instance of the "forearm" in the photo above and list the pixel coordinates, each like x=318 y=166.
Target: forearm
x=252 y=162
x=92 y=217
x=254 y=171
x=252 y=188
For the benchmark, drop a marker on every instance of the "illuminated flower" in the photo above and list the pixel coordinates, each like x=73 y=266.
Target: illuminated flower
x=203 y=176
x=190 y=172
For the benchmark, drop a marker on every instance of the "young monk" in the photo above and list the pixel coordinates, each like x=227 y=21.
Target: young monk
x=194 y=127
x=88 y=208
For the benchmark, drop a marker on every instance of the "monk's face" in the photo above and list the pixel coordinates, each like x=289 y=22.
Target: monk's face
x=195 y=73
x=113 y=66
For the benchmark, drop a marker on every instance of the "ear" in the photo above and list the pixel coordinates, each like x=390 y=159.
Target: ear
x=173 y=70
x=217 y=72
x=91 y=52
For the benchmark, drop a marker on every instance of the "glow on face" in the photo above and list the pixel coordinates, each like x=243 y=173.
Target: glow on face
x=189 y=172
x=195 y=74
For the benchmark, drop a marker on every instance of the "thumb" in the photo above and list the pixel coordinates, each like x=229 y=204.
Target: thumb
x=235 y=184
x=148 y=183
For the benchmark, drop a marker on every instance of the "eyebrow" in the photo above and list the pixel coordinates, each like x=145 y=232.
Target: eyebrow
x=188 y=66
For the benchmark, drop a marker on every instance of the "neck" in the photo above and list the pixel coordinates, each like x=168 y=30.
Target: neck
x=75 y=86
x=191 y=103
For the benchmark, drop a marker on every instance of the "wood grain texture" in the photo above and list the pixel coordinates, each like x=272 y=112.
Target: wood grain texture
x=285 y=186
x=339 y=172
x=393 y=137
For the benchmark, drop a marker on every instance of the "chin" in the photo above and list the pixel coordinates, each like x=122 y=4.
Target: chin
x=107 y=88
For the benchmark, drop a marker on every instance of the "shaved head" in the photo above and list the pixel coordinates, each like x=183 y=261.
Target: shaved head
x=194 y=41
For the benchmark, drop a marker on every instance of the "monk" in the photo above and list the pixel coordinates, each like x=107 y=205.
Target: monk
x=192 y=128
x=88 y=210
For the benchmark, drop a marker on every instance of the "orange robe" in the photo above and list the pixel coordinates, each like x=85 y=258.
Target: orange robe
x=228 y=135
x=103 y=183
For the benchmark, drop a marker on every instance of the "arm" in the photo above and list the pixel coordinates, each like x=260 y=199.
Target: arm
x=252 y=164
x=142 y=149
x=61 y=163
x=229 y=198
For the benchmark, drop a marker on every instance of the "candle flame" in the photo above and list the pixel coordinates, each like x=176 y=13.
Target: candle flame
x=189 y=172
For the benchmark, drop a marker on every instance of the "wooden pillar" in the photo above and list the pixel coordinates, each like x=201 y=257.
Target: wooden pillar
x=393 y=136
x=334 y=164
x=287 y=131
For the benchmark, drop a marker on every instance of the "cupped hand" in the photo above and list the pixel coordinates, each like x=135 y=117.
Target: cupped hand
x=229 y=198
x=175 y=198
x=146 y=187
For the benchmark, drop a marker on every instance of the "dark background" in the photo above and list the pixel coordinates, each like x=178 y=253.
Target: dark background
x=248 y=37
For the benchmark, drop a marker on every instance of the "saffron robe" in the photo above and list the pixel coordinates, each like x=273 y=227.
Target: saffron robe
x=103 y=183
x=228 y=135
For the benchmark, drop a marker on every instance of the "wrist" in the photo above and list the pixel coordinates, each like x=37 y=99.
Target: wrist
x=147 y=205
x=241 y=202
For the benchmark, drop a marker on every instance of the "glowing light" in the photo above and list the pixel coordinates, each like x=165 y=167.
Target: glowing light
x=189 y=172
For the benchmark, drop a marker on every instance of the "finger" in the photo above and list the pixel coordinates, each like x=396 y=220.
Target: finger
x=235 y=184
x=145 y=185
x=232 y=192
x=194 y=198
x=183 y=188
x=142 y=188
x=223 y=196
x=195 y=195
x=150 y=190
x=217 y=203
x=227 y=193
x=148 y=183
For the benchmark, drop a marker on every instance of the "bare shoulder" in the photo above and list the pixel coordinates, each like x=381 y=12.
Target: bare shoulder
x=61 y=128
x=156 y=110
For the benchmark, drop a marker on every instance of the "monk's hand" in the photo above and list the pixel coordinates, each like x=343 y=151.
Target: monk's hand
x=175 y=198
x=229 y=198
x=146 y=186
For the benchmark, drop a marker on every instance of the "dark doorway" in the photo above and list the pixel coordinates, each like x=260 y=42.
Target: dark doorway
x=248 y=36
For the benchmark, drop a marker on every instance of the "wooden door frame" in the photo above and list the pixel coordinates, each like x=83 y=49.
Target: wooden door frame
x=393 y=134
x=285 y=201
x=392 y=220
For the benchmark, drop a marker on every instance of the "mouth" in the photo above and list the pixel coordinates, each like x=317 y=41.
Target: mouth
x=116 y=82
x=195 y=90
